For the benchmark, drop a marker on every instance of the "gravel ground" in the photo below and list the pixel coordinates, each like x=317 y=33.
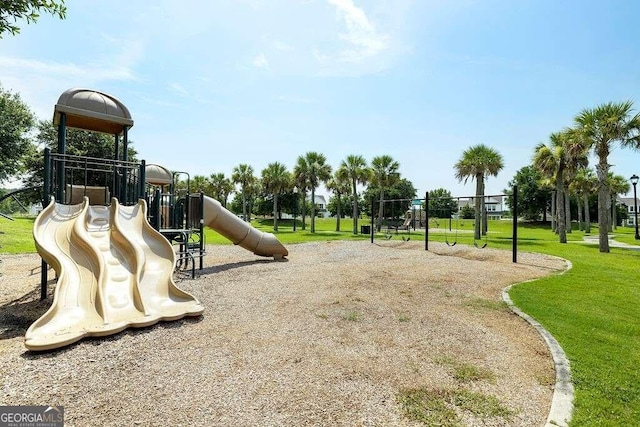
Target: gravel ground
x=328 y=337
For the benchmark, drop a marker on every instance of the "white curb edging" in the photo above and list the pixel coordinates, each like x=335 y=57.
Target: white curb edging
x=562 y=400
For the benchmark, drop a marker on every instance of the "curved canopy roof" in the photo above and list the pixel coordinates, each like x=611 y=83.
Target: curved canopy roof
x=157 y=175
x=92 y=110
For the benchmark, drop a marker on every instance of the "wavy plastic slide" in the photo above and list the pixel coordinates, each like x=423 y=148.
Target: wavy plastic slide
x=114 y=271
x=240 y=232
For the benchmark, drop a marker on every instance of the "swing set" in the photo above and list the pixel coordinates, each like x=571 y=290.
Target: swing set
x=394 y=225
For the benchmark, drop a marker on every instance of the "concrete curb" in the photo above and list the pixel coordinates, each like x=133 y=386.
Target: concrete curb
x=562 y=400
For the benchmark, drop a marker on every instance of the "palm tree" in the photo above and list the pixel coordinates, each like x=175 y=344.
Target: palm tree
x=384 y=175
x=583 y=185
x=354 y=169
x=243 y=175
x=301 y=180
x=275 y=180
x=313 y=170
x=200 y=183
x=478 y=162
x=339 y=186
x=558 y=161
x=220 y=187
x=602 y=127
x=618 y=185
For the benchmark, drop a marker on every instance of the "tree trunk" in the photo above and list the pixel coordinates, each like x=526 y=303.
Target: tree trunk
x=313 y=209
x=553 y=211
x=580 y=222
x=561 y=223
x=275 y=212
x=380 y=209
x=602 y=170
x=355 y=207
x=304 y=210
x=567 y=208
x=338 y=212
x=244 y=205
x=478 y=206
x=587 y=219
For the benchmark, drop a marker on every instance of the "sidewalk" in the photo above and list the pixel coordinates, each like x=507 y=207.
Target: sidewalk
x=592 y=239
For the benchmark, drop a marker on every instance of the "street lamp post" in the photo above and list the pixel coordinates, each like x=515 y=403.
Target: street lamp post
x=295 y=206
x=634 y=180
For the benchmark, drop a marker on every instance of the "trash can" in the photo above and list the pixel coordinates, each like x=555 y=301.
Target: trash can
x=365 y=229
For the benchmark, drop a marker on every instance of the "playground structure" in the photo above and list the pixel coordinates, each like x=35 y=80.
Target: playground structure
x=114 y=260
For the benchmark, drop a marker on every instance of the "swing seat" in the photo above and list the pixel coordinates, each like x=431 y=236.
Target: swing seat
x=478 y=246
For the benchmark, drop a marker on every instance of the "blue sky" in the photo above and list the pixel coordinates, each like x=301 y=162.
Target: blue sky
x=212 y=84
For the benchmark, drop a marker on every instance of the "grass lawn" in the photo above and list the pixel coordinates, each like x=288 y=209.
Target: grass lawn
x=592 y=310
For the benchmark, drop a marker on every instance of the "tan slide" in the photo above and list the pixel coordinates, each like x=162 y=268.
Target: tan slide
x=114 y=271
x=241 y=233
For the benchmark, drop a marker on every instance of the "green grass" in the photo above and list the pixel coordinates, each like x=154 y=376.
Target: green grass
x=325 y=231
x=352 y=316
x=592 y=310
x=465 y=372
x=16 y=236
x=438 y=407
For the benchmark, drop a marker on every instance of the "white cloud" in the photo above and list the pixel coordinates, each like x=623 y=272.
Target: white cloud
x=41 y=82
x=179 y=89
x=260 y=61
x=278 y=45
x=361 y=35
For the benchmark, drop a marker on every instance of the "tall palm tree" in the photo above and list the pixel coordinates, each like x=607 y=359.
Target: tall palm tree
x=275 y=180
x=354 y=169
x=478 y=162
x=315 y=169
x=220 y=187
x=301 y=180
x=243 y=175
x=384 y=175
x=340 y=187
x=602 y=128
x=618 y=185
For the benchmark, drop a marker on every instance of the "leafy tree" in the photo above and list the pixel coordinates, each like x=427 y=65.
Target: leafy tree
x=275 y=180
x=401 y=192
x=13 y=10
x=345 y=205
x=384 y=175
x=312 y=170
x=221 y=187
x=16 y=121
x=341 y=189
x=478 y=162
x=467 y=212
x=78 y=143
x=602 y=128
x=243 y=176
x=354 y=169
x=533 y=194
x=441 y=204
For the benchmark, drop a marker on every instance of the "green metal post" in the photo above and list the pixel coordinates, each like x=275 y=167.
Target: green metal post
x=62 y=149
